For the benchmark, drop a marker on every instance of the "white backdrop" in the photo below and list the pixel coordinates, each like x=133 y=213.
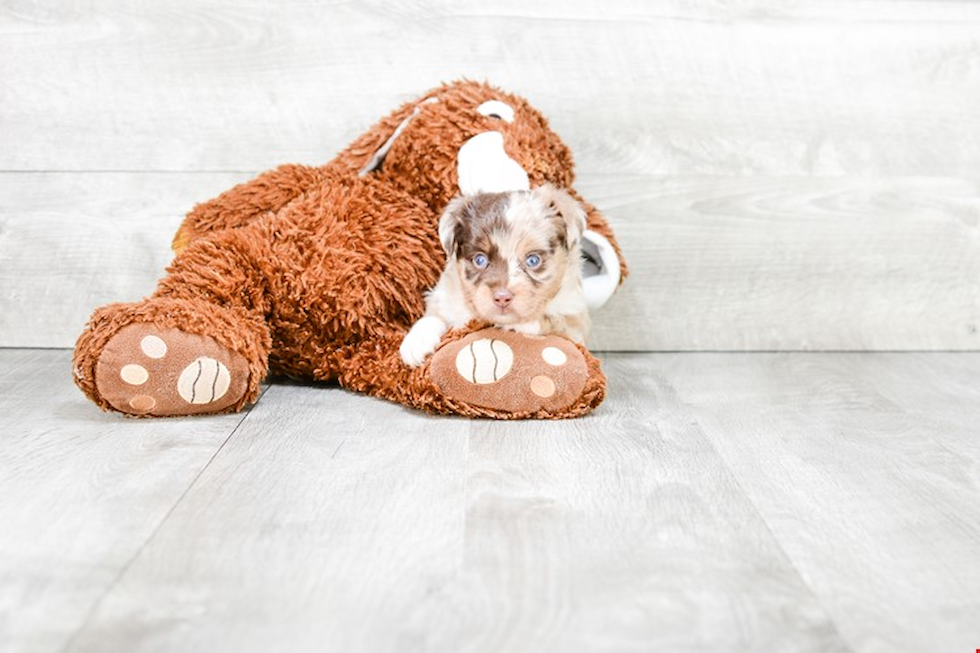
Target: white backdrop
x=782 y=174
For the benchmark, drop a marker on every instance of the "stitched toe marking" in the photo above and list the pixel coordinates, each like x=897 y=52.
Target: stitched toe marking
x=204 y=381
x=484 y=361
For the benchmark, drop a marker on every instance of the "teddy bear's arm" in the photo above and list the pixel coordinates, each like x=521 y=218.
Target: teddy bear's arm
x=596 y=222
x=479 y=372
x=238 y=206
x=603 y=265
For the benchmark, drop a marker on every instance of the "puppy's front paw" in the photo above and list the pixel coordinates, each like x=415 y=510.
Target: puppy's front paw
x=421 y=340
x=528 y=328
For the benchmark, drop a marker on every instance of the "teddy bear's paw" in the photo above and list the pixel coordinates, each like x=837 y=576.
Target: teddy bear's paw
x=511 y=372
x=147 y=371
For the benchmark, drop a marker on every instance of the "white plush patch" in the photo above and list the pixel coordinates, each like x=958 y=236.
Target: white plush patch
x=484 y=167
x=421 y=340
x=498 y=109
x=600 y=287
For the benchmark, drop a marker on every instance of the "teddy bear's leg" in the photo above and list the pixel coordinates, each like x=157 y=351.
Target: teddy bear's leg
x=483 y=373
x=200 y=344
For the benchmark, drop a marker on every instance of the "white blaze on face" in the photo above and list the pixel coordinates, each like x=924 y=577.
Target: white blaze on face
x=484 y=167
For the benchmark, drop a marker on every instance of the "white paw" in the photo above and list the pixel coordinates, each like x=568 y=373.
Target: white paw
x=527 y=328
x=421 y=340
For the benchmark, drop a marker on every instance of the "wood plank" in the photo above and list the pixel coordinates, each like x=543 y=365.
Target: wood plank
x=619 y=532
x=759 y=86
x=328 y=516
x=719 y=263
x=80 y=493
x=865 y=468
x=72 y=242
x=776 y=263
x=337 y=522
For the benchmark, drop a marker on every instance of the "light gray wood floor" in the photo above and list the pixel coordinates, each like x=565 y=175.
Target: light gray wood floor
x=716 y=502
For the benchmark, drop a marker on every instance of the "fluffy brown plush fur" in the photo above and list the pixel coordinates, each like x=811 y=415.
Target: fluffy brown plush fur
x=319 y=272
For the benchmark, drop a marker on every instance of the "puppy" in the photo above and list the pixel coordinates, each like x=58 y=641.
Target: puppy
x=514 y=260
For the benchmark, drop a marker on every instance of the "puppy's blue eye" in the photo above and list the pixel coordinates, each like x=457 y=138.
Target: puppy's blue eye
x=532 y=261
x=481 y=261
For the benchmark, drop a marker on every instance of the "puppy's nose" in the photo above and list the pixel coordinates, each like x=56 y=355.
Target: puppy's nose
x=502 y=298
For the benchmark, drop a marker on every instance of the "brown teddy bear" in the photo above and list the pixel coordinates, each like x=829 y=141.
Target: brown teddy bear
x=318 y=273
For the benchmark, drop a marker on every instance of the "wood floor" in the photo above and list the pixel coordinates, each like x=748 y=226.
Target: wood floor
x=716 y=502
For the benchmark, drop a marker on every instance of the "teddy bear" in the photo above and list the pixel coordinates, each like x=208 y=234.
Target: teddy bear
x=318 y=273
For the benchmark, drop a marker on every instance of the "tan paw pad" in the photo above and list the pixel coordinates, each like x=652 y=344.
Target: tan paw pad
x=142 y=403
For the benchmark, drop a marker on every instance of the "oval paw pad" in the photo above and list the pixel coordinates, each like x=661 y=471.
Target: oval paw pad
x=484 y=361
x=203 y=381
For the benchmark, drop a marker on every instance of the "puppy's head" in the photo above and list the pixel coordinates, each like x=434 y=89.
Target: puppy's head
x=513 y=251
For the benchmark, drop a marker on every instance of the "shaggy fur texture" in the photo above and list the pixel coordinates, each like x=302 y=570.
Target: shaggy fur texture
x=319 y=272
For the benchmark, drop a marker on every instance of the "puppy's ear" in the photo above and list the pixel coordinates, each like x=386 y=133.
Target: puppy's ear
x=451 y=224
x=569 y=213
